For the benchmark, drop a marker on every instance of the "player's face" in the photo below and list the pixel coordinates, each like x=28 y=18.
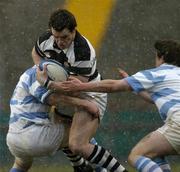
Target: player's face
x=63 y=38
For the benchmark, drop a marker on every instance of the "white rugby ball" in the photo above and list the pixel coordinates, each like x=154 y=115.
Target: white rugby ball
x=55 y=70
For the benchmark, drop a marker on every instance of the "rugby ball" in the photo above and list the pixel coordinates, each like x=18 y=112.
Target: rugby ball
x=55 y=70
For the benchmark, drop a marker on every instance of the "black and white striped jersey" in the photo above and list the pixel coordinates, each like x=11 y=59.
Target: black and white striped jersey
x=80 y=56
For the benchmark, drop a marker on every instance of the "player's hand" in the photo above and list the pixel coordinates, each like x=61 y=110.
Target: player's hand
x=41 y=76
x=122 y=73
x=73 y=84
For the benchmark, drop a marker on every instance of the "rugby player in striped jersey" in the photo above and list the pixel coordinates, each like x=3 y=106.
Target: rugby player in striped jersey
x=161 y=86
x=65 y=44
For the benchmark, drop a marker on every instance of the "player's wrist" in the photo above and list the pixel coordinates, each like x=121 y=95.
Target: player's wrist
x=83 y=87
x=47 y=83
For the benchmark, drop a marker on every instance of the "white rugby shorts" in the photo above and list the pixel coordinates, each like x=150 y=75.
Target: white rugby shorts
x=100 y=99
x=171 y=130
x=36 y=140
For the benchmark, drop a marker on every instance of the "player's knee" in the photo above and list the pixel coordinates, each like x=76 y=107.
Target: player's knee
x=134 y=154
x=22 y=165
x=75 y=147
x=137 y=152
x=93 y=109
x=131 y=159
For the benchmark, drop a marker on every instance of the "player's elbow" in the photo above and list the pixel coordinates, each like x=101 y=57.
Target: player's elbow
x=120 y=85
x=36 y=58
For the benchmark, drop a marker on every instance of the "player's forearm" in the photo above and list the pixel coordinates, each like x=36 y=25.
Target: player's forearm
x=107 y=86
x=57 y=98
x=83 y=103
x=146 y=96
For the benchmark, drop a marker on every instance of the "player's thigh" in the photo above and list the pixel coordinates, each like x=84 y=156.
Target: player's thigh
x=171 y=130
x=65 y=139
x=152 y=145
x=84 y=126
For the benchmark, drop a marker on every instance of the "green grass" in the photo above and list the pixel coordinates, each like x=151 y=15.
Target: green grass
x=53 y=168
x=44 y=168
x=174 y=168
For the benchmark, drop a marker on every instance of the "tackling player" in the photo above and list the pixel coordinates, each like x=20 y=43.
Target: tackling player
x=32 y=133
x=162 y=85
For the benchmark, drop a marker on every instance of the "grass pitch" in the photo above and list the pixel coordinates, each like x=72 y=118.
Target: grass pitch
x=66 y=168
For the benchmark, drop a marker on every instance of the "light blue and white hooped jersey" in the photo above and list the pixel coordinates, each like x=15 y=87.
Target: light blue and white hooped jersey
x=28 y=101
x=163 y=84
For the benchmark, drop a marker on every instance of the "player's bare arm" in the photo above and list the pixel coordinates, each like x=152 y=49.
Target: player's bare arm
x=103 y=86
x=55 y=98
x=146 y=96
x=143 y=94
x=36 y=58
x=74 y=84
x=108 y=85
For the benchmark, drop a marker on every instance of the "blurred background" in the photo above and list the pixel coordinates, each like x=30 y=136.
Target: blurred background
x=122 y=32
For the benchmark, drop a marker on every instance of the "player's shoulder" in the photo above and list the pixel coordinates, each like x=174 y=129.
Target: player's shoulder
x=45 y=36
x=82 y=47
x=28 y=77
x=29 y=73
x=31 y=70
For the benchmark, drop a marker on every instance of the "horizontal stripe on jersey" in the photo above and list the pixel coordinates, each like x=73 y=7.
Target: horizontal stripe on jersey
x=80 y=56
x=28 y=100
x=163 y=84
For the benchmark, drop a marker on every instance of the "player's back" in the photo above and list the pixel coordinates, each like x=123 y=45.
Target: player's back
x=27 y=102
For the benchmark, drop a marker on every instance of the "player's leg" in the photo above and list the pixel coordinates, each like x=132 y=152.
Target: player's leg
x=79 y=162
x=151 y=146
x=21 y=164
x=76 y=160
x=97 y=168
x=83 y=127
x=15 y=144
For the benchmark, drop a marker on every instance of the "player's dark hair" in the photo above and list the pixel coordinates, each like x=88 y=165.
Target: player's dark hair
x=169 y=50
x=61 y=19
